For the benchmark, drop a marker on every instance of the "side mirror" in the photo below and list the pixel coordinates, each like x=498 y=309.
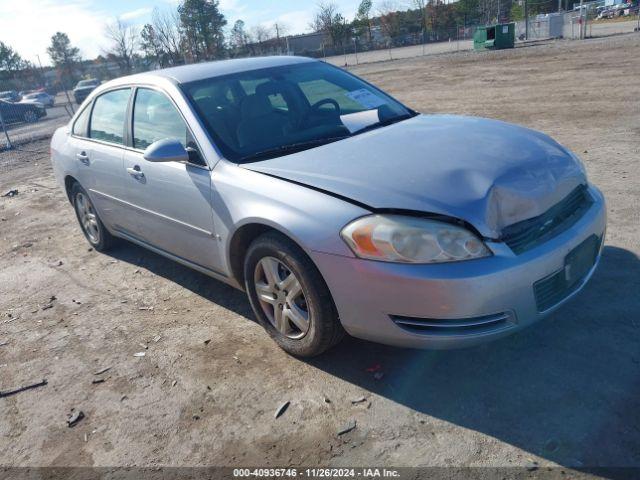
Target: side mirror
x=167 y=150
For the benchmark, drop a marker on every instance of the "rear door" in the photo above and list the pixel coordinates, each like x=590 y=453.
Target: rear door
x=171 y=200
x=98 y=140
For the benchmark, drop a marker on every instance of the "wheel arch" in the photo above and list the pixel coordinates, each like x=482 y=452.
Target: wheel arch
x=242 y=238
x=69 y=181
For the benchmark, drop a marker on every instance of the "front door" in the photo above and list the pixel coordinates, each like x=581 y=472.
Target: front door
x=170 y=201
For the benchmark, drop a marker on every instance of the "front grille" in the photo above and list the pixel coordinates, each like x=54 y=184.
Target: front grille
x=553 y=289
x=462 y=326
x=526 y=234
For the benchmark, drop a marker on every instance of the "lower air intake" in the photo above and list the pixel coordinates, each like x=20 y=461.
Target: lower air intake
x=460 y=326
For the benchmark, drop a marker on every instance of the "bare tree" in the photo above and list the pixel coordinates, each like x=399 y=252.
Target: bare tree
x=389 y=6
x=124 y=43
x=421 y=6
x=330 y=21
x=166 y=25
x=261 y=34
x=324 y=17
x=389 y=21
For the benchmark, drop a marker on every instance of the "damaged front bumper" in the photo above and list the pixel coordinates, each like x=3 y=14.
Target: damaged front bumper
x=453 y=305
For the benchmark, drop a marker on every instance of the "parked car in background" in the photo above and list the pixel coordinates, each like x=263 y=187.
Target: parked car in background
x=42 y=98
x=10 y=96
x=21 y=112
x=335 y=207
x=84 y=88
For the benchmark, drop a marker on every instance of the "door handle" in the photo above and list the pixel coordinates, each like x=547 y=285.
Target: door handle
x=135 y=172
x=83 y=157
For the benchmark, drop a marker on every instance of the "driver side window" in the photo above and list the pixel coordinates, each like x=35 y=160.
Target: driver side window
x=156 y=118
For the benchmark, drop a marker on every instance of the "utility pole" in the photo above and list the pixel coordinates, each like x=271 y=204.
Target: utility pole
x=278 y=37
x=526 y=21
x=582 y=20
x=355 y=46
x=41 y=70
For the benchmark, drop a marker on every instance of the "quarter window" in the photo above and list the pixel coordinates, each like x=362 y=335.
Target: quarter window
x=81 y=123
x=155 y=118
x=108 y=117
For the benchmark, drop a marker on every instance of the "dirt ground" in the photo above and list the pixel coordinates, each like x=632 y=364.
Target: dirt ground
x=564 y=392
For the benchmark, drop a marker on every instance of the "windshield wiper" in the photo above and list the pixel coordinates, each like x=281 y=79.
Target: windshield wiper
x=289 y=149
x=384 y=123
x=300 y=146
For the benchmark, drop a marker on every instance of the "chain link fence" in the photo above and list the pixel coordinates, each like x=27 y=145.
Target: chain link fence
x=577 y=24
x=402 y=46
x=25 y=120
x=356 y=50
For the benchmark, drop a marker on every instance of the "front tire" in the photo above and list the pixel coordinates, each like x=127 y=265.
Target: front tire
x=92 y=227
x=289 y=297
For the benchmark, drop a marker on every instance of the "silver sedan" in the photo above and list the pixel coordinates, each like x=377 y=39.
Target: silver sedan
x=335 y=207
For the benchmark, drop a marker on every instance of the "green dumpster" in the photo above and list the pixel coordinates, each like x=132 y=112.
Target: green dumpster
x=501 y=35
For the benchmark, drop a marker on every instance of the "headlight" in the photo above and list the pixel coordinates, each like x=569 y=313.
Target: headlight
x=395 y=238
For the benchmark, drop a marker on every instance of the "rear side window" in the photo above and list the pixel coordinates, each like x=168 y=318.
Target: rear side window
x=108 y=117
x=82 y=122
x=155 y=118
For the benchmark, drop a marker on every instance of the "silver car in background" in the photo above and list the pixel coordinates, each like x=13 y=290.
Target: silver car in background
x=335 y=207
x=39 y=98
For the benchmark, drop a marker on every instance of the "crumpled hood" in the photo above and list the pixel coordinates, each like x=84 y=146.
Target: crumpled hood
x=489 y=173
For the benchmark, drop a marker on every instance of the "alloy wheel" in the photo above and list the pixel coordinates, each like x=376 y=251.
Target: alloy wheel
x=88 y=217
x=281 y=298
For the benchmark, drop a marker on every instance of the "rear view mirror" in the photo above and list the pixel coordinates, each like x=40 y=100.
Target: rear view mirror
x=167 y=150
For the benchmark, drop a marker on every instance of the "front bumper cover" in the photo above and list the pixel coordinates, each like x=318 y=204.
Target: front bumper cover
x=369 y=295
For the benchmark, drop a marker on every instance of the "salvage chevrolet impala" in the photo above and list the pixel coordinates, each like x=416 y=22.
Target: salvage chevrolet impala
x=335 y=207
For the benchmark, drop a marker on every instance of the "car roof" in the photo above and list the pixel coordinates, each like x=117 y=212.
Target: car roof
x=200 y=71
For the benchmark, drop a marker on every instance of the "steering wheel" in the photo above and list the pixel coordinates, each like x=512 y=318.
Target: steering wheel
x=316 y=107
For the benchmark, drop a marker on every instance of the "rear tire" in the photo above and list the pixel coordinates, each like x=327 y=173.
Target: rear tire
x=296 y=309
x=92 y=227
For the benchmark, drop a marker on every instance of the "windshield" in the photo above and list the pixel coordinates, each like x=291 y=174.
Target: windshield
x=32 y=95
x=86 y=83
x=270 y=112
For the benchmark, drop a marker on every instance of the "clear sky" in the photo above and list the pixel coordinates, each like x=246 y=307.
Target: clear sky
x=27 y=25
